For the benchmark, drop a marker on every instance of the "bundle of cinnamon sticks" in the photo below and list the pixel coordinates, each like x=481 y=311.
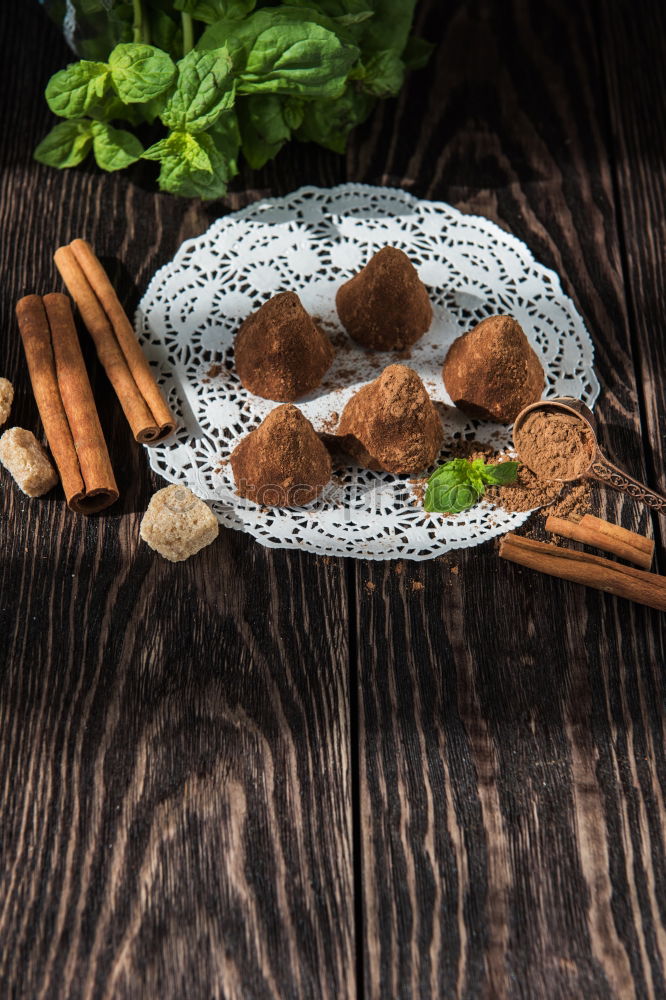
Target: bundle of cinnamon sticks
x=65 y=401
x=591 y=570
x=60 y=381
x=117 y=347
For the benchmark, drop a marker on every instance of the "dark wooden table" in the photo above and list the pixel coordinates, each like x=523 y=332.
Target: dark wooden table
x=263 y=774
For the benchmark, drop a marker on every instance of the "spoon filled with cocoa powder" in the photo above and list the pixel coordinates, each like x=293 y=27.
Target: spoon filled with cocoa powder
x=556 y=439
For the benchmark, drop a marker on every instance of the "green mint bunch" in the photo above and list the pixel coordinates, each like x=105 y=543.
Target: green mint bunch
x=225 y=76
x=459 y=484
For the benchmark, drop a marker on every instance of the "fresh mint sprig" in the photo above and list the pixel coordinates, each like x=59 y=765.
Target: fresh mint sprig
x=224 y=76
x=459 y=484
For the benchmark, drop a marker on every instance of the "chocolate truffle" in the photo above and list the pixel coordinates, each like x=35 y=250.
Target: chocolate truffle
x=392 y=424
x=491 y=372
x=282 y=463
x=385 y=306
x=280 y=353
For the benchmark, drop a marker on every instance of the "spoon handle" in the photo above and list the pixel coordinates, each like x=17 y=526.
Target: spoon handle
x=607 y=473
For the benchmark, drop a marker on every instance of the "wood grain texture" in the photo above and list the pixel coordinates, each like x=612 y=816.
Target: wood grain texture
x=511 y=792
x=261 y=774
x=175 y=792
x=633 y=45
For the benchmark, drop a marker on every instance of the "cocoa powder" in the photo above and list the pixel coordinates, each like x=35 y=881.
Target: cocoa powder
x=529 y=492
x=555 y=445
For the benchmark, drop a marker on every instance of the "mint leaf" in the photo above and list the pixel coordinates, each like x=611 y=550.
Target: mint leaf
x=205 y=185
x=300 y=58
x=293 y=111
x=389 y=28
x=66 y=144
x=183 y=146
x=459 y=484
x=191 y=165
x=358 y=18
x=329 y=122
x=71 y=91
x=263 y=127
x=450 y=499
x=475 y=479
x=114 y=148
x=210 y=11
x=384 y=74
x=140 y=72
x=204 y=90
x=165 y=32
x=416 y=53
x=452 y=473
x=225 y=135
x=502 y=474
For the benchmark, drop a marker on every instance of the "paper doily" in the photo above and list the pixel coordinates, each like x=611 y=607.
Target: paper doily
x=310 y=242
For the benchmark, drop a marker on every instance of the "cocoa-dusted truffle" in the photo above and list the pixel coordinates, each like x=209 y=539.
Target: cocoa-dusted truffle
x=385 y=306
x=392 y=424
x=280 y=353
x=491 y=372
x=282 y=463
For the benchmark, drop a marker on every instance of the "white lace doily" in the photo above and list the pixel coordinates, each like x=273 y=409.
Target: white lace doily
x=310 y=242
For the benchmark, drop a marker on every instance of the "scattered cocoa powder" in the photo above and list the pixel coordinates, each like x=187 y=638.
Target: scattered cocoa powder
x=331 y=422
x=555 y=445
x=282 y=463
x=214 y=371
x=385 y=306
x=529 y=492
x=280 y=353
x=455 y=570
x=370 y=586
x=392 y=424
x=417 y=585
x=338 y=339
x=418 y=489
x=491 y=372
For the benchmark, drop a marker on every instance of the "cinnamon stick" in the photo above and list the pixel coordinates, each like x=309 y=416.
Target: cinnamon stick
x=592 y=571
x=117 y=347
x=591 y=530
x=65 y=402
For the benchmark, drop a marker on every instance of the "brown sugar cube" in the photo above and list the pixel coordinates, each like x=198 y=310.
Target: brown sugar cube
x=25 y=459
x=6 y=399
x=177 y=524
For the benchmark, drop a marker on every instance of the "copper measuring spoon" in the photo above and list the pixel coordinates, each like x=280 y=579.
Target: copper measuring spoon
x=599 y=468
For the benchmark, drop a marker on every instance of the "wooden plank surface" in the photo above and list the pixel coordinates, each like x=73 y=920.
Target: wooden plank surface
x=511 y=727
x=261 y=774
x=175 y=754
x=635 y=72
